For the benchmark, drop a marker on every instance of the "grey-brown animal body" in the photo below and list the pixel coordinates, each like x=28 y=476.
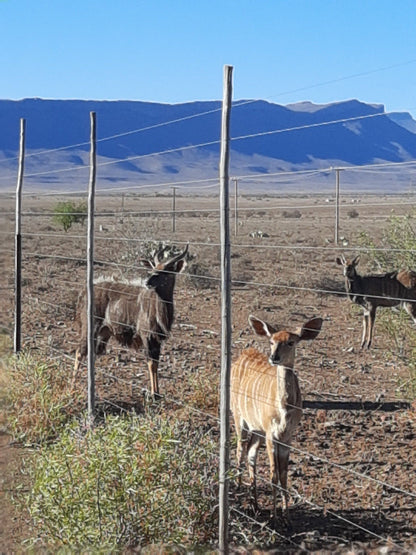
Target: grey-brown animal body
x=397 y=288
x=266 y=401
x=138 y=314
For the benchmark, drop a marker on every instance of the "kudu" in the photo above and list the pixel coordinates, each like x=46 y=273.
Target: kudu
x=371 y=291
x=266 y=401
x=137 y=314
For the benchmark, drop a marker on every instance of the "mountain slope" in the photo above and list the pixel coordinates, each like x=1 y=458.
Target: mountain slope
x=266 y=138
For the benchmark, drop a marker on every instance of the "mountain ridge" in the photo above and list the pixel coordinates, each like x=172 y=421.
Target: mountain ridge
x=151 y=141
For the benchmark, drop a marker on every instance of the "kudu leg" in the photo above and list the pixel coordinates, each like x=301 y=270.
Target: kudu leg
x=365 y=328
x=253 y=447
x=242 y=434
x=80 y=354
x=153 y=355
x=411 y=310
x=272 y=450
x=154 y=382
x=372 y=317
x=283 y=462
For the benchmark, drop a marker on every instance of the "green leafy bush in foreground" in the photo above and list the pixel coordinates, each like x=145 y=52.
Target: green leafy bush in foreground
x=39 y=398
x=129 y=482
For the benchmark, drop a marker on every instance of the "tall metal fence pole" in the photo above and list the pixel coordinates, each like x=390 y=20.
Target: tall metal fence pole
x=225 y=313
x=90 y=271
x=18 y=243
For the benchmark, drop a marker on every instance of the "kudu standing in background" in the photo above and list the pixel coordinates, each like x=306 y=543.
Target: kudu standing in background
x=136 y=313
x=371 y=291
x=266 y=401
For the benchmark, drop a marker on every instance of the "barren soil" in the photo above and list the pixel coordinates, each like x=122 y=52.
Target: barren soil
x=352 y=463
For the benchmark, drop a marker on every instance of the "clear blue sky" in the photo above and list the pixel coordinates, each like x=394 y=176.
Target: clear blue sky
x=174 y=50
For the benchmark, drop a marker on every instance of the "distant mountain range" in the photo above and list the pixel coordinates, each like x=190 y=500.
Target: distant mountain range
x=145 y=143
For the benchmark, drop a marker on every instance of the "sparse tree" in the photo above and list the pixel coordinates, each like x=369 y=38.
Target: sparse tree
x=67 y=213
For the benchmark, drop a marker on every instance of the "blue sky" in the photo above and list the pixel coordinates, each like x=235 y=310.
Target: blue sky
x=174 y=50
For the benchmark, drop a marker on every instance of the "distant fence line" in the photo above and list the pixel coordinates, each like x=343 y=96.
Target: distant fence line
x=224 y=212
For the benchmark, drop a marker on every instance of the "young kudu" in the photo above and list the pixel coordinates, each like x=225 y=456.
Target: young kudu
x=371 y=291
x=266 y=401
x=136 y=314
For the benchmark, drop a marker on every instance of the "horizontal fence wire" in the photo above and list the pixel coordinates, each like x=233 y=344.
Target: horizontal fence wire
x=177 y=333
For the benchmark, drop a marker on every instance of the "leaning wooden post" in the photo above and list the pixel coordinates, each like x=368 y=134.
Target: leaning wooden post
x=336 y=207
x=225 y=313
x=90 y=272
x=18 y=243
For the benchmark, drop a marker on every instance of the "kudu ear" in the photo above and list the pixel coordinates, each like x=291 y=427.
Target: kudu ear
x=356 y=260
x=180 y=266
x=339 y=261
x=310 y=330
x=260 y=327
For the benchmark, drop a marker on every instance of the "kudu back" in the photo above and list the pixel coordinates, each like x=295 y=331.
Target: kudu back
x=138 y=314
x=266 y=401
x=397 y=288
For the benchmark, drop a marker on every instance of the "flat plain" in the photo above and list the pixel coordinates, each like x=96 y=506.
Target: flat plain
x=352 y=472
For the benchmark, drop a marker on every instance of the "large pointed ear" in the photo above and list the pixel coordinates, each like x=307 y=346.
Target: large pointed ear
x=339 y=261
x=356 y=260
x=310 y=330
x=180 y=266
x=260 y=327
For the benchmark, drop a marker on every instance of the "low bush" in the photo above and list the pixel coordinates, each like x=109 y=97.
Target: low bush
x=291 y=214
x=352 y=213
x=39 y=399
x=397 y=250
x=130 y=482
x=67 y=213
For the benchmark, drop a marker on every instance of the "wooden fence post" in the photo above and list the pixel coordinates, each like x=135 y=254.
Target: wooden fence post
x=225 y=314
x=174 y=210
x=90 y=272
x=336 y=207
x=235 y=206
x=18 y=243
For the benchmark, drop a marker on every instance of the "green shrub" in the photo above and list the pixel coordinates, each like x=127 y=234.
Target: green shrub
x=39 y=398
x=397 y=250
x=352 y=213
x=67 y=213
x=131 y=481
x=398 y=244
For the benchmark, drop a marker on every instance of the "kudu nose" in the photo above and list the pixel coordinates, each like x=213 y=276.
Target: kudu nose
x=149 y=283
x=274 y=359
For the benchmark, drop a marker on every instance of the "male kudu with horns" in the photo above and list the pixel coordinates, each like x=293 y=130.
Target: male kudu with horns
x=136 y=313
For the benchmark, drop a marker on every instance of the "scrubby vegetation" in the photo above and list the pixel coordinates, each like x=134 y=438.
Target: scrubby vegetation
x=39 y=399
x=131 y=481
x=67 y=213
x=396 y=250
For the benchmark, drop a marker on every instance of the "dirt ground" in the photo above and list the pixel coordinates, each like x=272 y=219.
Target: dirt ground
x=352 y=471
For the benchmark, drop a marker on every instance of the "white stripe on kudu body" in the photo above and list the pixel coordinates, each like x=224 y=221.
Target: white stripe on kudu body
x=266 y=400
x=371 y=291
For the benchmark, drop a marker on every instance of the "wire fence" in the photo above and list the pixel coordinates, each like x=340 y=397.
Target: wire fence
x=283 y=269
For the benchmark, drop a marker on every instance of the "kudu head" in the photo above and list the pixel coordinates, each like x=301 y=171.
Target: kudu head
x=348 y=266
x=283 y=343
x=163 y=274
